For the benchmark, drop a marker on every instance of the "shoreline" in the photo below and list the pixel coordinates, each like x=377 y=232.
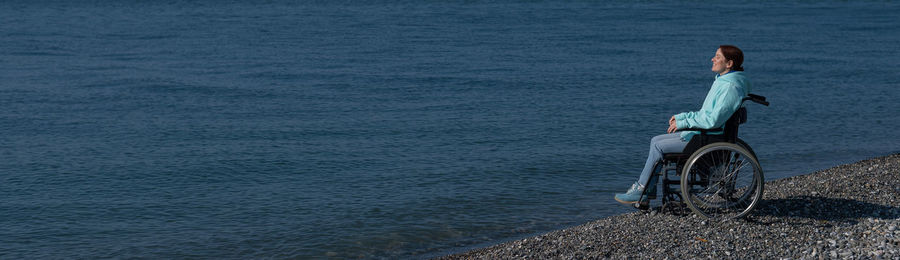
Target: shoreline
x=847 y=211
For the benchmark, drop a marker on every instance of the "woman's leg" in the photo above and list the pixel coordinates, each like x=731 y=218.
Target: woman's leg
x=660 y=144
x=667 y=143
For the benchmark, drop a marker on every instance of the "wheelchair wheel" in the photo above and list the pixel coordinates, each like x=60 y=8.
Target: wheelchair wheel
x=746 y=146
x=722 y=181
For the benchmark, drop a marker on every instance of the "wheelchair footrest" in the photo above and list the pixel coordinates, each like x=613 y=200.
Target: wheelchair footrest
x=642 y=205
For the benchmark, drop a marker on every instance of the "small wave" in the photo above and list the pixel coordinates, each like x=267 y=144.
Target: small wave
x=41 y=53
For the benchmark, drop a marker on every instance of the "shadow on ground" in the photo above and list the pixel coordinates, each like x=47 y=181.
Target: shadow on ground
x=824 y=209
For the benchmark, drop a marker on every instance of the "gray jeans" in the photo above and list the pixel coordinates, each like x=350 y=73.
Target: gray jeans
x=660 y=144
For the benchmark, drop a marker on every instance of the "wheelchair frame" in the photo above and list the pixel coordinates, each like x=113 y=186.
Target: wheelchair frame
x=711 y=167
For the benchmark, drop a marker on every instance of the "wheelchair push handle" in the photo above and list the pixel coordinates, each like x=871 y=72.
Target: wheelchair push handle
x=756 y=98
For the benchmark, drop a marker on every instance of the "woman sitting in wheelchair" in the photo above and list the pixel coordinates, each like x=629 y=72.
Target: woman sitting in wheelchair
x=724 y=98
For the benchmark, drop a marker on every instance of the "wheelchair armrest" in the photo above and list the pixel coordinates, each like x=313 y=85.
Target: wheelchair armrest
x=701 y=130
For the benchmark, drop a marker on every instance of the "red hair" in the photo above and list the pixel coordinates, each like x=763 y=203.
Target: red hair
x=734 y=54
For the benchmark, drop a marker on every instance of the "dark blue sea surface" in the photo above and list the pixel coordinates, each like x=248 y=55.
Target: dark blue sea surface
x=395 y=129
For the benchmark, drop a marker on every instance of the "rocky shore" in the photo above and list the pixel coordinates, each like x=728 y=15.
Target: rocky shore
x=849 y=211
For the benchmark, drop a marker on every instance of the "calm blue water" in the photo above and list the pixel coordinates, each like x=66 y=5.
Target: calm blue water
x=382 y=129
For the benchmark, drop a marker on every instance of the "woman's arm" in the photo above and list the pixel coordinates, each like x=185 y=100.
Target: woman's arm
x=715 y=115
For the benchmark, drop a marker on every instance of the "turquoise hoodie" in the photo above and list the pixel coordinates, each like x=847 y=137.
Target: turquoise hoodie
x=723 y=99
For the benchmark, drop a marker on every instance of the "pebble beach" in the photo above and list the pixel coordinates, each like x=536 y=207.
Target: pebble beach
x=850 y=211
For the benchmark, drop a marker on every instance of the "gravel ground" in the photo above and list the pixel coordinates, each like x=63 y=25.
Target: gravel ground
x=849 y=211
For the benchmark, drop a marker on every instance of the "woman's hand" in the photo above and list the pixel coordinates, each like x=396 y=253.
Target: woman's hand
x=672 y=125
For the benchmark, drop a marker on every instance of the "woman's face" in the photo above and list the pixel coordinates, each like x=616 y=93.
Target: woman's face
x=720 y=64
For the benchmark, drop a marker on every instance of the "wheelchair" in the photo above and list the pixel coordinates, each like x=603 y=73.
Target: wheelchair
x=717 y=176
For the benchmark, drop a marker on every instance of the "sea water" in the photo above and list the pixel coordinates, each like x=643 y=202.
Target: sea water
x=395 y=129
